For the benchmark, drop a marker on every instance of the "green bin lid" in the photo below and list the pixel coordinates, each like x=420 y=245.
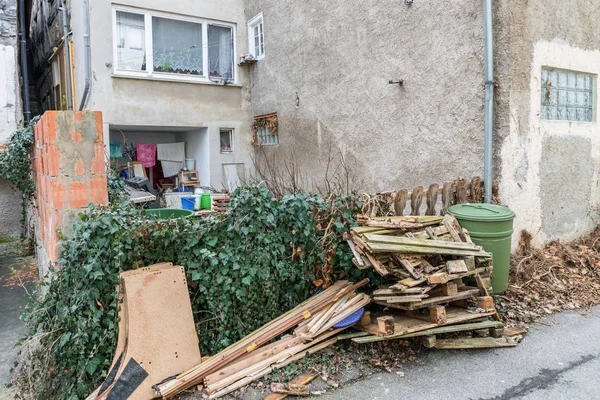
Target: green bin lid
x=481 y=212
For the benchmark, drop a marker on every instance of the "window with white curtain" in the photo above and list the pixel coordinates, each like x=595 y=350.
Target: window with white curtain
x=256 y=38
x=154 y=44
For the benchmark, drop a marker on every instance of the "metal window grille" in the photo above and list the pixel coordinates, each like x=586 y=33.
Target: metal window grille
x=266 y=138
x=567 y=95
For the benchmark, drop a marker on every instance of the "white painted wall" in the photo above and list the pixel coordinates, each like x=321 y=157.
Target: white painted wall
x=523 y=152
x=9 y=94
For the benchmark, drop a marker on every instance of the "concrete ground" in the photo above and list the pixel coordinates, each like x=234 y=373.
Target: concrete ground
x=556 y=361
x=12 y=302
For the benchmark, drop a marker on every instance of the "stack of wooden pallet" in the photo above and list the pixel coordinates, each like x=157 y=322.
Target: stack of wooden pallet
x=315 y=323
x=426 y=259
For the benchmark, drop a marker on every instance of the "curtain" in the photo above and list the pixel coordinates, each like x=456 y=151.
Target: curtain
x=220 y=52
x=177 y=46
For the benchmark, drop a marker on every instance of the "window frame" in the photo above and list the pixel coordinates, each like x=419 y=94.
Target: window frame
x=231 y=140
x=254 y=22
x=150 y=73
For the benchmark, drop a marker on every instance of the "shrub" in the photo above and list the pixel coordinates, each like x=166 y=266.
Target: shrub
x=244 y=269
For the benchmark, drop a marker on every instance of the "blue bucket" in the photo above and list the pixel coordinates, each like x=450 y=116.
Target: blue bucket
x=188 y=203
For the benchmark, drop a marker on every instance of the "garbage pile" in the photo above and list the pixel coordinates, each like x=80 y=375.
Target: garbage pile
x=438 y=282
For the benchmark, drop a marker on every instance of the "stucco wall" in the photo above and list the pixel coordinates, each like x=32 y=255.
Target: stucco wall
x=549 y=169
x=337 y=58
x=143 y=102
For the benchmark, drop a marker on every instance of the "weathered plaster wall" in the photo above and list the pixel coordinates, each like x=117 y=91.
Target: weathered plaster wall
x=10 y=110
x=144 y=102
x=550 y=168
x=338 y=56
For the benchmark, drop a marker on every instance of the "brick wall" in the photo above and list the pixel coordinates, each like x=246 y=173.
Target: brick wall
x=70 y=173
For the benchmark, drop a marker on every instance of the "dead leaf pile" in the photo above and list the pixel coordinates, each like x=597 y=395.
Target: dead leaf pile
x=560 y=276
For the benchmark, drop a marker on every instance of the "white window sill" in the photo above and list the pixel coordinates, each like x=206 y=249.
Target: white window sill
x=173 y=79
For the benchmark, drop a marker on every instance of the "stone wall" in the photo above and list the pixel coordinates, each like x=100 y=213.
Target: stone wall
x=69 y=172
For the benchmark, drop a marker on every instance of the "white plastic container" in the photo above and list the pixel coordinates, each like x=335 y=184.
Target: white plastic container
x=190 y=164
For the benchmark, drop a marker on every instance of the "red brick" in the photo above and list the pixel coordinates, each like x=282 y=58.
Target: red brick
x=78 y=115
x=38 y=134
x=99 y=160
x=99 y=127
x=51 y=126
x=37 y=161
x=99 y=190
x=79 y=168
x=79 y=194
x=53 y=160
x=59 y=193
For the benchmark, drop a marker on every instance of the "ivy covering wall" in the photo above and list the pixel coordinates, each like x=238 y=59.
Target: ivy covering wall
x=244 y=269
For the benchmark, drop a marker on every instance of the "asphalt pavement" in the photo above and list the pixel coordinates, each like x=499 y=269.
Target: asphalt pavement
x=557 y=361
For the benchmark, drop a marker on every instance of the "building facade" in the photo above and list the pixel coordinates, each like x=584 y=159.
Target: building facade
x=160 y=71
x=332 y=72
x=11 y=116
x=377 y=96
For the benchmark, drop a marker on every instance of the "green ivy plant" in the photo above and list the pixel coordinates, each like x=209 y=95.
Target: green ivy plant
x=16 y=158
x=244 y=269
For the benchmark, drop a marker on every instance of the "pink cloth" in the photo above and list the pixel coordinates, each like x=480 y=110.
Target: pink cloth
x=146 y=153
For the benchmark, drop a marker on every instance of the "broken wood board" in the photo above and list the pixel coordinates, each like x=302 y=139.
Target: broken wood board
x=432 y=332
x=470 y=343
x=291 y=389
x=376 y=247
x=465 y=293
x=404 y=324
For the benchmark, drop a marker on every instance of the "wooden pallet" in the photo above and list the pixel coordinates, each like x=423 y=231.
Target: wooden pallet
x=404 y=324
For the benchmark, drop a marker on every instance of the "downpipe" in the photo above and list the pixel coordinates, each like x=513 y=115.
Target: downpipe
x=488 y=37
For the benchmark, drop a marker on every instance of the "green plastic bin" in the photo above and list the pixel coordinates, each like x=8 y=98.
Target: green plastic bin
x=490 y=226
x=168 y=213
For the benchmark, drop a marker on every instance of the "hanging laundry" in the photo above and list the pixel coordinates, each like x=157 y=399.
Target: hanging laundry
x=171 y=156
x=116 y=151
x=146 y=153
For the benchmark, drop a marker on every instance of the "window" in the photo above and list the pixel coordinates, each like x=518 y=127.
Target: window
x=256 y=41
x=177 y=46
x=131 y=53
x=226 y=139
x=266 y=130
x=567 y=95
x=152 y=44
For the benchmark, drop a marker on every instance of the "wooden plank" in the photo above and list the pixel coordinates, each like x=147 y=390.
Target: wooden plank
x=473 y=343
x=303 y=379
x=450 y=289
x=432 y=196
x=486 y=303
x=409 y=282
x=386 y=325
x=456 y=266
x=461 y=191
x=396 y=248
x=465 y=293
x=377 y=266
x=400 y=299
x=446 y=197
x=291 y=389
x=400 y=201
x=416 y=199
x=402 y=240
x=438 y=278
x=355 y=253
x=434 y=331
x=437 y=315
x=262 y=335
x=404 y=324
x=406 y=263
